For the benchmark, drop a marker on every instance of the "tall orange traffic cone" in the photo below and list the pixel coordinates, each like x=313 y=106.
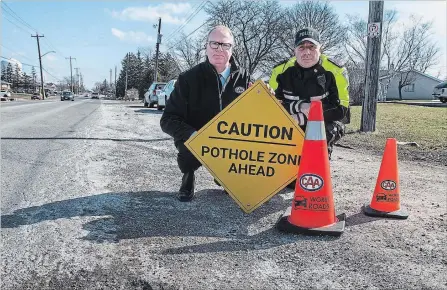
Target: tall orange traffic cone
x=312 y=210
x=386 y=198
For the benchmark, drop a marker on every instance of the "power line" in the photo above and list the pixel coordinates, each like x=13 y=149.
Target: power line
x=201 y=6
x=17 y=16
x=20 y=21
x=52 y=46
x=51 y=75
x=22 y=63
x=19 y=27
x=188 y=35
x=196 y=9
x=14 y=52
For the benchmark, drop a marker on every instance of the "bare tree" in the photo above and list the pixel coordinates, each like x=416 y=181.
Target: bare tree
x=402 y=53
x=188 y=51
x=256 y=26
x=415 y=51
x=356 y=38
x=389 y=36
x=318 y=15
x=356 y=73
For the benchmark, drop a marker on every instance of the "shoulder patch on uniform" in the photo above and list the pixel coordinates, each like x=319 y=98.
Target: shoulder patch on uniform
x=333 y=61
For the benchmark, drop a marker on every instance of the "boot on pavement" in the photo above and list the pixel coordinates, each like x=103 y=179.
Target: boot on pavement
x=186 y=192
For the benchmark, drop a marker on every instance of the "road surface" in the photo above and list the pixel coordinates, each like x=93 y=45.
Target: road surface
x=88 y=202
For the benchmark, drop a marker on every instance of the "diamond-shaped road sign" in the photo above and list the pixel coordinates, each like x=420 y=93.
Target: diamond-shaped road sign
x=252 y=147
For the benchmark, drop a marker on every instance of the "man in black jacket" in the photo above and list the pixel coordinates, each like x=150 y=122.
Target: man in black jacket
x=200 y=94
x=307 y=80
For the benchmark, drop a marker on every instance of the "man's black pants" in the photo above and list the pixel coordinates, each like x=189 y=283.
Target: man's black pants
x=185 y=160
x=334 y=132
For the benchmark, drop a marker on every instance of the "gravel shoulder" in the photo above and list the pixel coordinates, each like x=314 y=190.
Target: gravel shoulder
x=124 y=229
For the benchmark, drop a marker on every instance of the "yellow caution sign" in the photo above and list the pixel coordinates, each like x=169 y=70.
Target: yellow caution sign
x=252 y=147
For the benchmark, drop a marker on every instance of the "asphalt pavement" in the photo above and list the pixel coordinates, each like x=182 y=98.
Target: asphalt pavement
x=88 y=202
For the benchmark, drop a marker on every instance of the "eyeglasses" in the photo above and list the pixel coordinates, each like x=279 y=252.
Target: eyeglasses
x=302 y=48
x=215 y=45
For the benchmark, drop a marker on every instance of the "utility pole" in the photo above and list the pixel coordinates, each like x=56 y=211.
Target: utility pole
x=34 y=81
x=40 y=63
x=81 y=79
x=127 y=67
x=110 y=83
x=115 y=81
x=158 y=48
x=369 y=108
x=71 y=72
x=77 y=80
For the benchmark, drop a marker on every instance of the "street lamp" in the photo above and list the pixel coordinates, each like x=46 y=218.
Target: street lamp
x=47 y=53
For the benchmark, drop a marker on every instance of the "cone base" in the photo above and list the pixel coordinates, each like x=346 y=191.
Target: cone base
x=336 y=229
x=398 y=214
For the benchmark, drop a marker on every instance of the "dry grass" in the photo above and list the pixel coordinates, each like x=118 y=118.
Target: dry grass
x=424 y=125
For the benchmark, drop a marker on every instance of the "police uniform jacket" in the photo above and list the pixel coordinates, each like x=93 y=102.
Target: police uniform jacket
x=298 y=84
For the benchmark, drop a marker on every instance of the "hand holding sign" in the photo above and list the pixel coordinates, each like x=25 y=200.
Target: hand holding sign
x=270 y=89
x=305 y=108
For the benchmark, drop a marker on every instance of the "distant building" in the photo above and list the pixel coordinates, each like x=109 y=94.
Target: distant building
x=421 y=87
x=5 y=85
x=50 y=86
x=4 y=64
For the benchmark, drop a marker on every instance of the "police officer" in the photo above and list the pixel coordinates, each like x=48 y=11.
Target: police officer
x=306 y=79
x=200 y=94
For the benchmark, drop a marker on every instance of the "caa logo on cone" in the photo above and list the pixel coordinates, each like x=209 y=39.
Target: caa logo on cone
x=388 y=185
x=311 y=182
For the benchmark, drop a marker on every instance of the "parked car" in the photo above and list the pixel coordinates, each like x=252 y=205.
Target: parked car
x=5 y=95
x=440 y=92
x=95 y=95
x=151 y=96
x=165 y=93
x=36 y=96
x=67 y=95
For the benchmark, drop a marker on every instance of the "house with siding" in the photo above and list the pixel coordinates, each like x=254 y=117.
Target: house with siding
x=420 y=88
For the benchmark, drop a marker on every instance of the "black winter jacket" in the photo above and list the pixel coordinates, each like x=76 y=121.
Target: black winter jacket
x=197 y=98
x=300 y=84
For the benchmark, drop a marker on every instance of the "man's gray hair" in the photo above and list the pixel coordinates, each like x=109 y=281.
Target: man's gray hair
x=221 y=28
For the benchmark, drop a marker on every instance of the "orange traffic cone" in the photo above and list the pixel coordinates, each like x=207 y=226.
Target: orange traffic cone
x=312 y=210
x=386 y=198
